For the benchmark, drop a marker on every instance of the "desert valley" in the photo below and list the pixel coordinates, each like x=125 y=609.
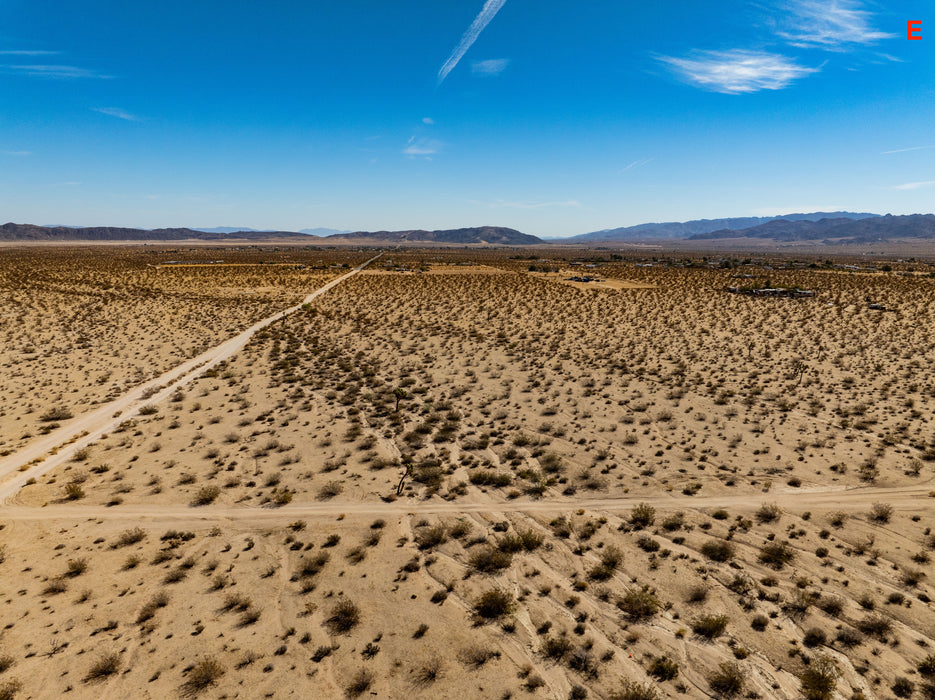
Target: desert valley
x=498 y=473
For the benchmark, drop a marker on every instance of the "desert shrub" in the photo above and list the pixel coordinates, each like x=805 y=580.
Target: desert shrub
x=881 y=512
x=728 y=680
x=697 y=593
x=662 y=668
x=639 y=605
x=428 y=672
x=74 y=491
x=9 y=690
x=5 y=662
x=875 y=626
x=202 y=676
x=476 y=656
x=105 y=666
x=55 y=586
x=556 y=648
x=911 y=577
x=206 y=495
x=926 y=666
x=759 y=623
x=768 y=512
x=648 y=544
x=710 y=626
x=673 y=522
x=488 y=560
x=903 y=687
x=718 y=550
x=631 y=690
x=776 y=554
x=489 y=478
x=330 y=490
x=56 y=413
x=831 y=605
x=819 y=679
x=148 y=410
x=813 y=637
x=76 y=567
x=128 y=537
x=429 y=537
x=160 y=600
x=642 y=515
x=494 y=604
x=530 y=539
x=344 y=617
x=849 y=637
x=359 y=684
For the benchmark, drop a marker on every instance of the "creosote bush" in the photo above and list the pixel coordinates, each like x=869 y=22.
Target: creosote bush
x=202 y=676
x=344 y=617
x=494 y=604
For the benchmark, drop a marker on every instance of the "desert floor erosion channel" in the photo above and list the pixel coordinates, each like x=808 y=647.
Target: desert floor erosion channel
x=465 y=473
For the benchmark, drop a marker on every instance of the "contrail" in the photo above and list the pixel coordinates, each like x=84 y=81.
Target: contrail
x=491 y=8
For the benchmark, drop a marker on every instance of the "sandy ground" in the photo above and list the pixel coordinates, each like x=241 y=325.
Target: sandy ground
x=665 y=485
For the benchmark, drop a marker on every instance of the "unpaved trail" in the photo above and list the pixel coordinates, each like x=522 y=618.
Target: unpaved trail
x=63 y=442
x=906 y=498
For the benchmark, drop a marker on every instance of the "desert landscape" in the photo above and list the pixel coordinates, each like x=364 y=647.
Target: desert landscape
x=493 y=473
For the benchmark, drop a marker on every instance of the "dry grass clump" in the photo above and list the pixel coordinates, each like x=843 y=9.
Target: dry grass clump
x=639 y=604
x=9 y=689
x=202 y=676
x=129 y=537
x=206 y=495
x=728 y=680
x=107 y=665
x=494 y=604
x=489 y=560
x=343 y=617
x=359 y=684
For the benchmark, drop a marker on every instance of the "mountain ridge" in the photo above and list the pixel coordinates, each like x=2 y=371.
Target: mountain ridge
x=687 y=229
x=835 y=231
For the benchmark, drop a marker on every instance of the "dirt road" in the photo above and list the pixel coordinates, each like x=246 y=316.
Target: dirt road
x=31 y=461
x=904 y=498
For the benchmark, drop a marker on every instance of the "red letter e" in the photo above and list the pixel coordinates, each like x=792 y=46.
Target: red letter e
x=914 y=29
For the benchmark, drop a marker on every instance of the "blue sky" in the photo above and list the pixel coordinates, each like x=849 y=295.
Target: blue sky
x=555 y=118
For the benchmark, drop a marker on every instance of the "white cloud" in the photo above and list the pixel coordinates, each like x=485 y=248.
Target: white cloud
x=829 y=24
x=428 y=120
x=904 y=150
x=55 y=72
x=28 y=53
x=914 y=185
x=18 y=154
x=116 y=112
x=737 y=71
x=487 y=13
x=422 y=147
x=490 y=67
x=635 y=164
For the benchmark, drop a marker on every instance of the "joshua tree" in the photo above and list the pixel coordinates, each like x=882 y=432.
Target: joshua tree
x=407 y=471
x=399 y=393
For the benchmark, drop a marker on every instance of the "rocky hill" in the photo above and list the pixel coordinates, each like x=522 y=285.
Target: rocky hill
x=31 y=232
x=836 y=230
x=687 y=229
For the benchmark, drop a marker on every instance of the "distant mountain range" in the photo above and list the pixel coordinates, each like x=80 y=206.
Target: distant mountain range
x=307 y=231
x=834 y=231
x=30 y=232
x=688 y=229
x=489 y=235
